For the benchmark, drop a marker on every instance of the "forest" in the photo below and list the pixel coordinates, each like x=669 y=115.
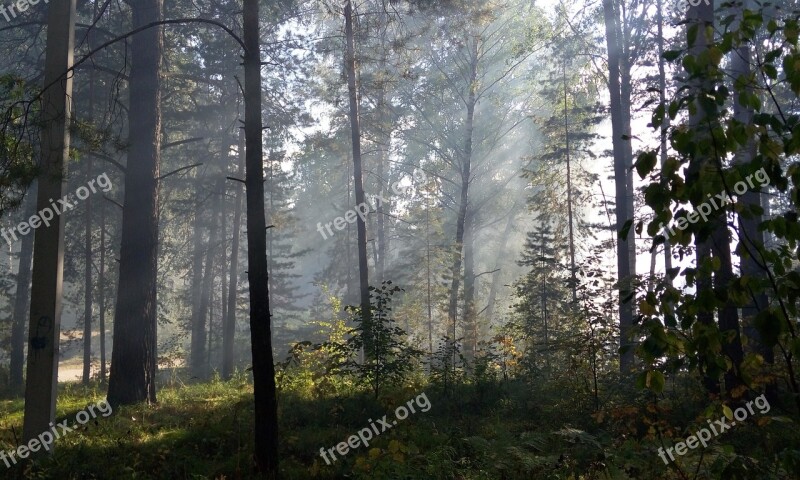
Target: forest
x=400 y=239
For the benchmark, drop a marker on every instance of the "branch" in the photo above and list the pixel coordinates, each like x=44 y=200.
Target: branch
x=182 y=142
x=103 y=156
x=162 y=177
x=114 y=202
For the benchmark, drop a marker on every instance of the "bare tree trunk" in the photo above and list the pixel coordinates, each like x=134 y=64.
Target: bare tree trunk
x=624 y=270
x=22 y=298
x=428 y=275
x=496 y=276
x=133 y=359
x=466 y=172
x=355 y=128
x=199 y=350
x=662 y=87
x=572 y=275
x=48 y=262
x=751 y=239
x=87 y=284
x=470 y=319
x=729 y=314
x=87 y=308
x=102 y=283
x=229 y=329
x=197 y=332
x=266 y=405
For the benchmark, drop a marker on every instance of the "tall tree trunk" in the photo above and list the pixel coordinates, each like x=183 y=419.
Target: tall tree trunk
x=22 y=298
x=573 y=273
x=87 y=308
x=355 y=131
x=697 y=18
x=428 y=274
x=470 y=319
x=751 y=239
x=199 y=349
x=662 y=87
x=44 y=328
x=266 y=405
x=229 y=328
x=729 y=314
x=384 y=141
x=501 y=252
x=544 y=305
x=133 y=359
x=466 y=172
x=626 y=88
x=197 y=331
x=624 y=267
x=87 y=284
x=102 y=283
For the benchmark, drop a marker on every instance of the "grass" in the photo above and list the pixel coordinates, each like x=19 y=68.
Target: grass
x=504 y=431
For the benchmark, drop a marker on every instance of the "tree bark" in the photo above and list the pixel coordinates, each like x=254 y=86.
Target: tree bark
x=355 y=131
x=662 y=87
x=229 y=328
x=698 y=17
x=624 y=267
x=197 y=333
x=266 y=405
x=470 y=319
x=44 y=328
x=466 y=172
x=199 y=337
x=87 y=284
x=751 y=239
x=102 y=301
x=22 y=299
x=573 y=273
x=133 y=359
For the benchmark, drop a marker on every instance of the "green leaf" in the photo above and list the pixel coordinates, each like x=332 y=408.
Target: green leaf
x=655 y=381
x=646 y=163
x=623 y=234
x=726 y=410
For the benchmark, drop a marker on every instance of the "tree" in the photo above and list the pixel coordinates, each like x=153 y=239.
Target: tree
x=44 y=329
x=229 y=325
x=621 y=136
x=22 y=300
x=355 y=132
x=266 y=405
x=133 y=360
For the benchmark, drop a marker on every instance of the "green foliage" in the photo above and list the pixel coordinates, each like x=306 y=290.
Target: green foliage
x=386 y=356
x=699 y=170
x=17 y=137
x=447 y=363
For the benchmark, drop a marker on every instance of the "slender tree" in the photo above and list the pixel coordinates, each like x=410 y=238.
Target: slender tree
x=22 y=299
x=229 y=326
x=355 y=134
x=266 y=405
x=622 y=162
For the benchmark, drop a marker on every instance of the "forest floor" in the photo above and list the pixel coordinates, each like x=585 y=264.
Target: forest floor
x=501 y=431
